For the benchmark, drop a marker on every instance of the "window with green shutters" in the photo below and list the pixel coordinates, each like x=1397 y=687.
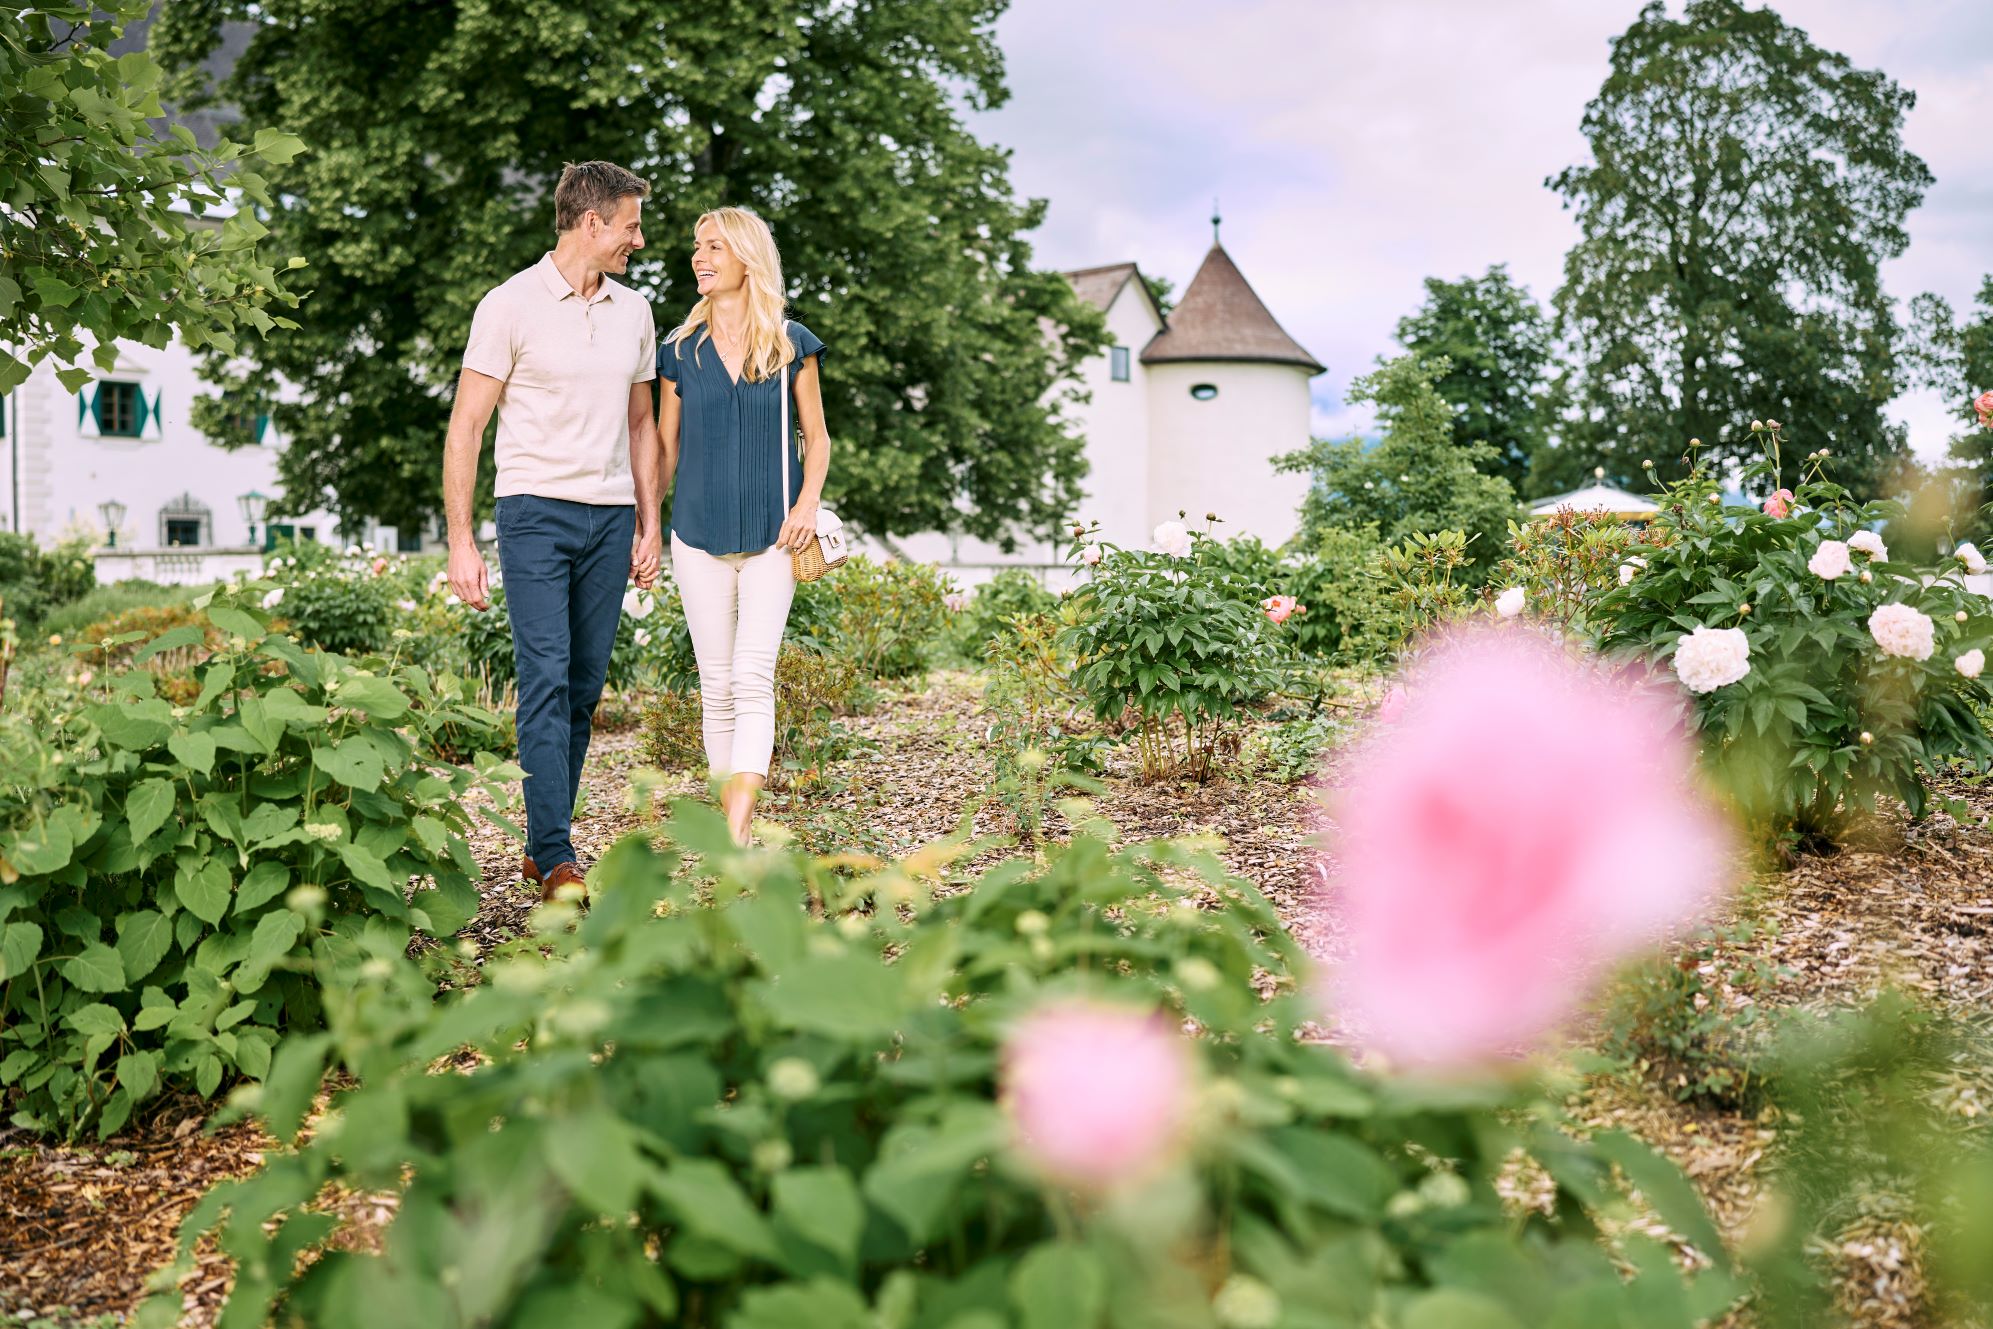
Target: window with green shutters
x=120 y=409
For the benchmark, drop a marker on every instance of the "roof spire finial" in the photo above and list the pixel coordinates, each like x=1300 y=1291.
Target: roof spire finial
x=1215 y=219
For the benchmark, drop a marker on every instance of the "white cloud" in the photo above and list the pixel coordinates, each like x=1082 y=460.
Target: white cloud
x=1358 y=149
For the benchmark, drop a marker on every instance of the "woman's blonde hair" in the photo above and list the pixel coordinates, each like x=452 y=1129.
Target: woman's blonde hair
x=768 y=347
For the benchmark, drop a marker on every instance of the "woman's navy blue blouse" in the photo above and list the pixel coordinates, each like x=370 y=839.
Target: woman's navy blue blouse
x=728 y=496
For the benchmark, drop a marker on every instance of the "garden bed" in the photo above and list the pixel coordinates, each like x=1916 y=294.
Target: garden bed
x=81 y=1227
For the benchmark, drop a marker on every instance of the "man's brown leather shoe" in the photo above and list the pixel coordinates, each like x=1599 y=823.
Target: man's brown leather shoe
x=529 y=869
x=563 y=874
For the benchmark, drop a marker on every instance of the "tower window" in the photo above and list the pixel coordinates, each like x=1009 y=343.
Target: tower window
x=1117 y=360
x=1204 y=391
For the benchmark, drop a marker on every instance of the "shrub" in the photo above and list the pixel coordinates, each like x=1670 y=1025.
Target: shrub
x=113 y=598
x=1566 y=561
x=889 y=613
x=121 y=638
x=706 y=1107
x=996 y=602
x=1824 y=723
x=1292 y=749
x=811 y=690
x=1035 y=735
x=1675 y=1019
x=344 y=603
x=1177 y=641
x=37 y=581
x=166 y=867
x=1350 y=617
x=1422 y=579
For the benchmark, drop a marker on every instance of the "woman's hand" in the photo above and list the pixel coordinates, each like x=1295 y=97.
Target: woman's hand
x=800 y=528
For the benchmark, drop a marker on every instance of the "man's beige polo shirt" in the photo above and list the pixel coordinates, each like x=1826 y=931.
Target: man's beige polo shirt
x=567 y=365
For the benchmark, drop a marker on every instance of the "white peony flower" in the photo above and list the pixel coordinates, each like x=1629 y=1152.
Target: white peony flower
x=1968 y=554
x=1509 y=603
x=1871 y=544
x=1090 y=555
x=1970 y=663
x=1172 y=539
x=1710 y=658
x=1829 y=561
x=637 y=603
x=1629 y=568
x=405 y=605
x=642 y=637
x=1902 y=631
x=274 y=598
x=955 y=601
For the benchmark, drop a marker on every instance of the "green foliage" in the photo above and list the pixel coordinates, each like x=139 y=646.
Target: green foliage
x=1824 y=725
x=1565 y=561
x=1182 y=643
x=706 y=1106
x=890 y=614
x=812 y=689
x=844 y=125
x=164 y=869
x=1036 y=735
x=97 y=241
x=111 y=599
x=1350 y=614
x=1419 y=576
x=1010 y=593
x=1958 y=364
x=1417 y=480
x=1693 y=1021
x=1746 y=187
x=1292 y=749
x=1497 y=346
x=38 y=582
x=333 y=601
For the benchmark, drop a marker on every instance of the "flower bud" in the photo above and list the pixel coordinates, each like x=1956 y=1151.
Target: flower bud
x=1771 y=424
x=1647 y=464
x=1867 y=576
x=1757 y=425
x=773 y=1156
x=1744 y=608
x=1960 y=616
x=1032 y=923
x=1867 y=738
x=1695 y=442
x=792 y=1079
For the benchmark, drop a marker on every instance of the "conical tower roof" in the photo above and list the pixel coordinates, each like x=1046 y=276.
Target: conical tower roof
x=1220 y=318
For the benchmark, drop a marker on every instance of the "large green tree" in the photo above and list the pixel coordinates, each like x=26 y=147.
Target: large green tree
x=1745 y=187
x=1417 y=479
x=111 y=227
x=1956 y=361
x=1497 y=343
x=439 y=131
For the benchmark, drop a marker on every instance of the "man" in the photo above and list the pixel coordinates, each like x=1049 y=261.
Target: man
x=566 y=356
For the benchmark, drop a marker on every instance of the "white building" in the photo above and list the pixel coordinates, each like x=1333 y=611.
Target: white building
x=1186 y=413
x=125 y=447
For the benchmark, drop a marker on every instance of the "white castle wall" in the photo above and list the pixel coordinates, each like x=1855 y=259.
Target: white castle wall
x=1217 y=455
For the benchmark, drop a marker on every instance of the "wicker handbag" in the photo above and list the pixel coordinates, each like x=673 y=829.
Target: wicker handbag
x=828 y=550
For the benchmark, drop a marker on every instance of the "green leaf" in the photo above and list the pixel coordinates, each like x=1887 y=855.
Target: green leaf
x=708 y=1201
x=821 y=1303
x=20 y=943
x=173 y=640
x=265 y=880
x=194 y=750
x=96 y=1018
x=595 y=1155
x=1059 y=1285
x=276 y=147
x=144 y=937
x=848 y=996
x=96 y=968
x=1451 y=1308
x=276 y=932
x=821 y=1205
x=376 y=697
x=137 y=726
x=236 y=623
x=1673 y=1198
x=138 y=1073
x=207 y=1075
x=353 y=762
x=295 y=1073
x=204 y=890
x=366 y=867
x=147 y=807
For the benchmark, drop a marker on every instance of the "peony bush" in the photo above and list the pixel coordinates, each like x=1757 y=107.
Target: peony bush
x=1823 y=676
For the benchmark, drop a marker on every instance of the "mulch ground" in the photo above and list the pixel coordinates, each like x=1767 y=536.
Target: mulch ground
x=82 y=1227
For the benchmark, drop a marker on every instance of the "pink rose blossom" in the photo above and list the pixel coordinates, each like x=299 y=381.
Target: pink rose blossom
x=1279 y=607
x=1097 y=1095
x=1392 y=708
x=1779 y=504
x=1983 y=404
x=380 y=565
x=1528 y=822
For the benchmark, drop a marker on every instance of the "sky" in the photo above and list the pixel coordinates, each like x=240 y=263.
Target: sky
x=1357 y=148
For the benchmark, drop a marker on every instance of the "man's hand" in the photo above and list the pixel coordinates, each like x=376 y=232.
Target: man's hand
x=800 y=529
x=468 y=576
x=646 y=556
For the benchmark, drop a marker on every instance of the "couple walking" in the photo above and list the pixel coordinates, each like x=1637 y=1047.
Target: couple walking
x=567 y=356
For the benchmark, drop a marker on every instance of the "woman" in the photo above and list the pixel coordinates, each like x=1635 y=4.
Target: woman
x=731 y=533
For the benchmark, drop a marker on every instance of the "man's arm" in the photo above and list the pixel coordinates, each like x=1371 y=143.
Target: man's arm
x=477 y=397
x=647 y=551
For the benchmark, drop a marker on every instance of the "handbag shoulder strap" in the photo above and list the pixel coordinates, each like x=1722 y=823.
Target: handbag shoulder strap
x=782 y=451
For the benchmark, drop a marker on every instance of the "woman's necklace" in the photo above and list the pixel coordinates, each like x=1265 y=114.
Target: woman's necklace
x=730 y=345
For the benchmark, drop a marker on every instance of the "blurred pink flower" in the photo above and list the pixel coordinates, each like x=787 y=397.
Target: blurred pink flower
x=1392 y=708
x=1097 y=1094
x=380 y=565
x=955 y=601
x=1527 y=822
x=1278 y=607
x=1779 y=504
x=1983 y=404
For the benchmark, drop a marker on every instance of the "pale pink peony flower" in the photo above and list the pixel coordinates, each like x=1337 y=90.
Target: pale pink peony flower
x=1090 y=555
x=1711 y=658
x=1172 y=539
x=1983 y=404
x=1631 y=569
x=1830 y=561
x=1779 y=504
x=272 y=599
x=1968 y=554
x=379 y=566
x=1509 y=603
x=955 y=601
x=1097 y=1095
x=1527 y=823
x=1902 y=631
x=1868 y=542
x=1970 y=663
x=1392 y=708
x=1279 y=607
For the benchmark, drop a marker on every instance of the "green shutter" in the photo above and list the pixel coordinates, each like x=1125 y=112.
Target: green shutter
x=262 y=424
x=86 y=404
x=97 y=406
x=138 y=412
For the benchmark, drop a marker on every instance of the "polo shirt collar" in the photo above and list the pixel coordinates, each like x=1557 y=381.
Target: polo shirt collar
x=557 y=287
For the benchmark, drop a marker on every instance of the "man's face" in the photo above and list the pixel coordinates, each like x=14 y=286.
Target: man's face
x=613 y=241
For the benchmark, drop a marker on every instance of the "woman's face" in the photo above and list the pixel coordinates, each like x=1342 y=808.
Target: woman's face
x=715 y=267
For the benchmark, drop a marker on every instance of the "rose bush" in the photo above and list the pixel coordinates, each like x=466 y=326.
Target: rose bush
x=1822 y=674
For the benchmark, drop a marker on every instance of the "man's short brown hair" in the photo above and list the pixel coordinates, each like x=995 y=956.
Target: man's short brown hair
x=598 y=187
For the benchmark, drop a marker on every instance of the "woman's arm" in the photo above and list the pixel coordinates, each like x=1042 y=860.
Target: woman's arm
x=801 y=526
